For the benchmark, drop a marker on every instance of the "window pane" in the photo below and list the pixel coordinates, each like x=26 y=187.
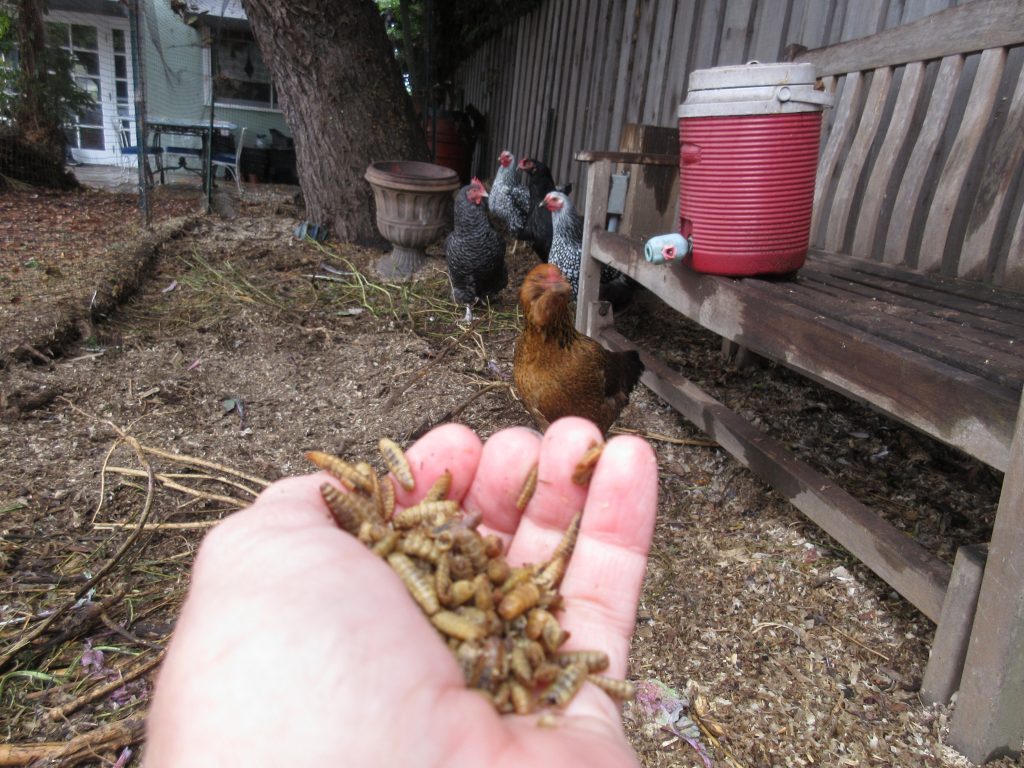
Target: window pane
x=87 y=63
x=83 y=37
x=119 y=41
x=57 y=34
x=90 y=86
x=121 y=67
x=92 y=138
x=241 y=91
x=71 y=135
x=122 y=90
x=240 y=75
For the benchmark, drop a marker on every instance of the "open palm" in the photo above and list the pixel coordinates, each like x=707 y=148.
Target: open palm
x=297 y=646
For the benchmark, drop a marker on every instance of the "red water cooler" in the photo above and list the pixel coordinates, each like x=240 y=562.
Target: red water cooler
x=749 y=140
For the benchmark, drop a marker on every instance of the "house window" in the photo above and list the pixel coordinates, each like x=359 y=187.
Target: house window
x=82 y=43
x=240 y=78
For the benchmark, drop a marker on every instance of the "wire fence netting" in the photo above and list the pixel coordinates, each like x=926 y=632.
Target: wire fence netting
x=177 y=92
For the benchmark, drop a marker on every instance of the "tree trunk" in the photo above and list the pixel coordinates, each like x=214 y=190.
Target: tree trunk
x=32 y=120
x=341 y=92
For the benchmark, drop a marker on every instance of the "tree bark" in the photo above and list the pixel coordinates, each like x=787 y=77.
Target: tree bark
x=35 y=125
x=342 y=95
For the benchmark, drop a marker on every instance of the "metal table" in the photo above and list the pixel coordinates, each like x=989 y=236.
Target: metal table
x=159 y=126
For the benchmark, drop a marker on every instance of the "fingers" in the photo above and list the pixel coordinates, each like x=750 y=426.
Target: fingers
x=507 y=459
x=452 y=447
x=602 y=585
x=557 y=499
x=603 y=582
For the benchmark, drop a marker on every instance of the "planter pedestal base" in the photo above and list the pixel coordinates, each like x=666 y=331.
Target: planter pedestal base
x=401 y=264
x=414 y=203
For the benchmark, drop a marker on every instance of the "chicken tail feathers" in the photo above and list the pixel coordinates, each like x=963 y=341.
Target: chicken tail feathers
x=622 y=371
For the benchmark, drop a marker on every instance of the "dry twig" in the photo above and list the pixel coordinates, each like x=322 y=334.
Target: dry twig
x=84 y=746
x=453 y=414
x=181 y=458
x=423 y=369
x=147 y=507
x=854 y=640
x=166 y=481
x=664 y=438
x=138 y=670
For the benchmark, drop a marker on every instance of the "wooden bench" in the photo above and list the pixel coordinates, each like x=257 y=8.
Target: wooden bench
x=911 y=300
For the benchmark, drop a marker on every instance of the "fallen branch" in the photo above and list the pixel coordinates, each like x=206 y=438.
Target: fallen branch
x=84 y=746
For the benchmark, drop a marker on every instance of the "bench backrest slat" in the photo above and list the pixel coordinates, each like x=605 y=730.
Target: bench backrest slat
x=967 y=28
x=842 y=128
x=924 y=149
x=921 y=158
x=865 y=240
x=856 y=158
x=977 y=116
x=995 y=187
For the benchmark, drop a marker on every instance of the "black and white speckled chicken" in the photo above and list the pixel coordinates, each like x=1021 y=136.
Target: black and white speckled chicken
x=509 y=200
x=538 y=224
x=567 y=247
x=475 y=252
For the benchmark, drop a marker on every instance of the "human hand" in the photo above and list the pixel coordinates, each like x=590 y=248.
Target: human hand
x=298 y=646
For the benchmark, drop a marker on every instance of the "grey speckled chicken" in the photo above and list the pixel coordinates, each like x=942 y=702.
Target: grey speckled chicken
x=509 y=200
x=567 y=247
x=538 y=223
x=475 y=252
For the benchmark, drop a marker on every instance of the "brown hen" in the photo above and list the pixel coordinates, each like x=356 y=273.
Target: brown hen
x=559 y=371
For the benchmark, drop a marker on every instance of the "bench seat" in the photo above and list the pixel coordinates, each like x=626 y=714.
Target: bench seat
x=911 y=301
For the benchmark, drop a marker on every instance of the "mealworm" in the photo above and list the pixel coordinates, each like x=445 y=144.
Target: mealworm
x=528 y=489
x=349 y=476
x=394 y=457
x=585 y=467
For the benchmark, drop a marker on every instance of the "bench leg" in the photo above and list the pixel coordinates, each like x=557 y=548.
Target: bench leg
x=989 y=718
x=742 y=357
x=949 y=648
x=598 y=183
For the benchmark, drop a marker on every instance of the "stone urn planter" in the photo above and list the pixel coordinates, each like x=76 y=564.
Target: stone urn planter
x=414 y=203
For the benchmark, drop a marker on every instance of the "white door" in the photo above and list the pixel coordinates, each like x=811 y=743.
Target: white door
x=101 y=48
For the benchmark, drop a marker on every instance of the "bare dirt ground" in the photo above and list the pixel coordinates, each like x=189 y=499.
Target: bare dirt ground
x=225 y=339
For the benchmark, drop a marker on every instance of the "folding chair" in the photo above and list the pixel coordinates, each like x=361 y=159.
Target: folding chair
x=127 y=150
x=231 y=161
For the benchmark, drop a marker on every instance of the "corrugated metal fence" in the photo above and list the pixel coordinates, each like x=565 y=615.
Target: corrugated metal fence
x=572 y=73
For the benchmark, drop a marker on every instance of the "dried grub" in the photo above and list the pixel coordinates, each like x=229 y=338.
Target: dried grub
x=498 y=620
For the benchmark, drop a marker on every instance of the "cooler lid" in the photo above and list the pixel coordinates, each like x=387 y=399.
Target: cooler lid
x=753 y=89
x=752 y=74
